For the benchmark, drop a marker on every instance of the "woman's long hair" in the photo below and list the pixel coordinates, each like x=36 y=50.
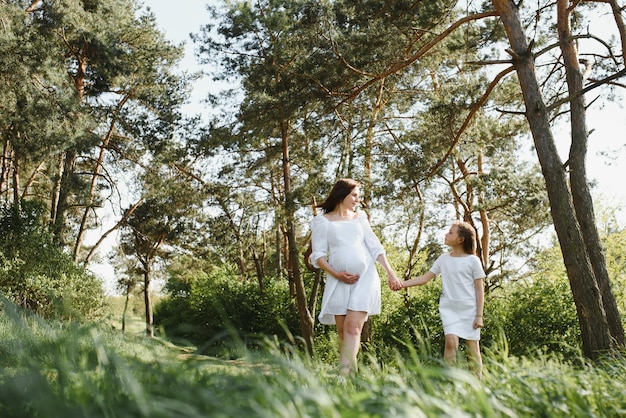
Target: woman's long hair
x=340 y=190
x=466 y=231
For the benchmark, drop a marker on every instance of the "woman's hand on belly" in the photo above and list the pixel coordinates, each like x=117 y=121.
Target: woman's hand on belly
x=344 y=276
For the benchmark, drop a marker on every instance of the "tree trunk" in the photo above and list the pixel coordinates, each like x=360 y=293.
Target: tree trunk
x=279 y=253
x=126 y=300
x=485 y=239
x=32 y=179
x=64 y=190
x=241 y=260
x=258 y=265
x=418 y=237
x=295 y=274
x=592 y=319
x=56 y=190
x=4 y=172
x=583 y=203
x=317 y=284
x=16 y=181
x=147 y=299
x=379 y=103
x=467 y=203
x=317 y=281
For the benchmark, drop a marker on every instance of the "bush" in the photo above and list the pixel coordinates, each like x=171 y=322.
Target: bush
x=217 y=309
x=410 y=316
x=533 y=316
x=537 y=315
x=36 y=274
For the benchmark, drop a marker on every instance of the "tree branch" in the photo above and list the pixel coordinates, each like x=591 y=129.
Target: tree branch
x=590 y=87
x=396 y=67
x=117 y=225
x=469 y=117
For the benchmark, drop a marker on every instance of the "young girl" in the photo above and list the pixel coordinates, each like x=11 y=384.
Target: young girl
x=462 y=297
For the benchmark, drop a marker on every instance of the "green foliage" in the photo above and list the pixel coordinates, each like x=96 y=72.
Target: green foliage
x=359 y=89
x=537 y=315
x=89 y=95
x=36 y=274
x=533 y=315
x=65 y=370
x=410 y=316
x=615 y=247
x=548 y=386
x=539 y=312
x=217 y=309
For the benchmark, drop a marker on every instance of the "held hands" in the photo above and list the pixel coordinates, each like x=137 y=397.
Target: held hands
x=393 y=282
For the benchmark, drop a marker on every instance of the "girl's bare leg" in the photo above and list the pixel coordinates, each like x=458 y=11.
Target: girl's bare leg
x=475 y=358
x=450 y=349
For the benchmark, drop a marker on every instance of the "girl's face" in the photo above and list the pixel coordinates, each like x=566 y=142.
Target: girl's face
x=452 y=237
x=352 y=200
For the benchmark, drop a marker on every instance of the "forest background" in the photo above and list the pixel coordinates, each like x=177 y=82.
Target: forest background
x=429 y=111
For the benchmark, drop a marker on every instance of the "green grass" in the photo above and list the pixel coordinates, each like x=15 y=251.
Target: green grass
x=73 y=370
x=135 y=314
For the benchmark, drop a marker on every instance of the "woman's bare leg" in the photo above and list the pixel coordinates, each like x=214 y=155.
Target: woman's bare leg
x=339 y=320
x=350 y=338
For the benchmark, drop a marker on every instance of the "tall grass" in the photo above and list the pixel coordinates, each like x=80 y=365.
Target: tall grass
x=54 y=369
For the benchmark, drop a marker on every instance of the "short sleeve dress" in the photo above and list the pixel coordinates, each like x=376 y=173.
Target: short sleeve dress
x=457 y=305
x=353 y=247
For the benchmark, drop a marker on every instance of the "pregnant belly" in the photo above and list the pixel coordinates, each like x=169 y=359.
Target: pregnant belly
x=353 y=260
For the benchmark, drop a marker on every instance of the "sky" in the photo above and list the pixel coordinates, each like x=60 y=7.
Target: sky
x=178 y=19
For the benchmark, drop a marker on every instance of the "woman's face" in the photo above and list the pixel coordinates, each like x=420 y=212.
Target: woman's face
x=352 y=200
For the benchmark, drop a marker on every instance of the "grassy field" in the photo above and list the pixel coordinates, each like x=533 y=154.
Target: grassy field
x=73 y=370
x=135 y=314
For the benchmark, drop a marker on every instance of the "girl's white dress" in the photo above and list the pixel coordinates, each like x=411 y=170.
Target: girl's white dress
x=349 y=246
x=457 y=305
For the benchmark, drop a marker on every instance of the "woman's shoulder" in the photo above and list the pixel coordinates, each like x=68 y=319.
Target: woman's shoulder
x=361 y=217
x=318 y=219
x=332 y=217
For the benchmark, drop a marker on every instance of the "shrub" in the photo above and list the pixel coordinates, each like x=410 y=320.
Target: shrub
x=538 y=315
x=36 y=274
x=533 y=316
x=409 y=317
x=218 y=309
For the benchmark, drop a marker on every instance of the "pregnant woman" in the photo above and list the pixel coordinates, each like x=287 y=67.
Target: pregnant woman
x=346 y=248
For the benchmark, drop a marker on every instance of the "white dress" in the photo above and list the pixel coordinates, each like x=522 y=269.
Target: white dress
x=457 y=305
x=349 y=246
